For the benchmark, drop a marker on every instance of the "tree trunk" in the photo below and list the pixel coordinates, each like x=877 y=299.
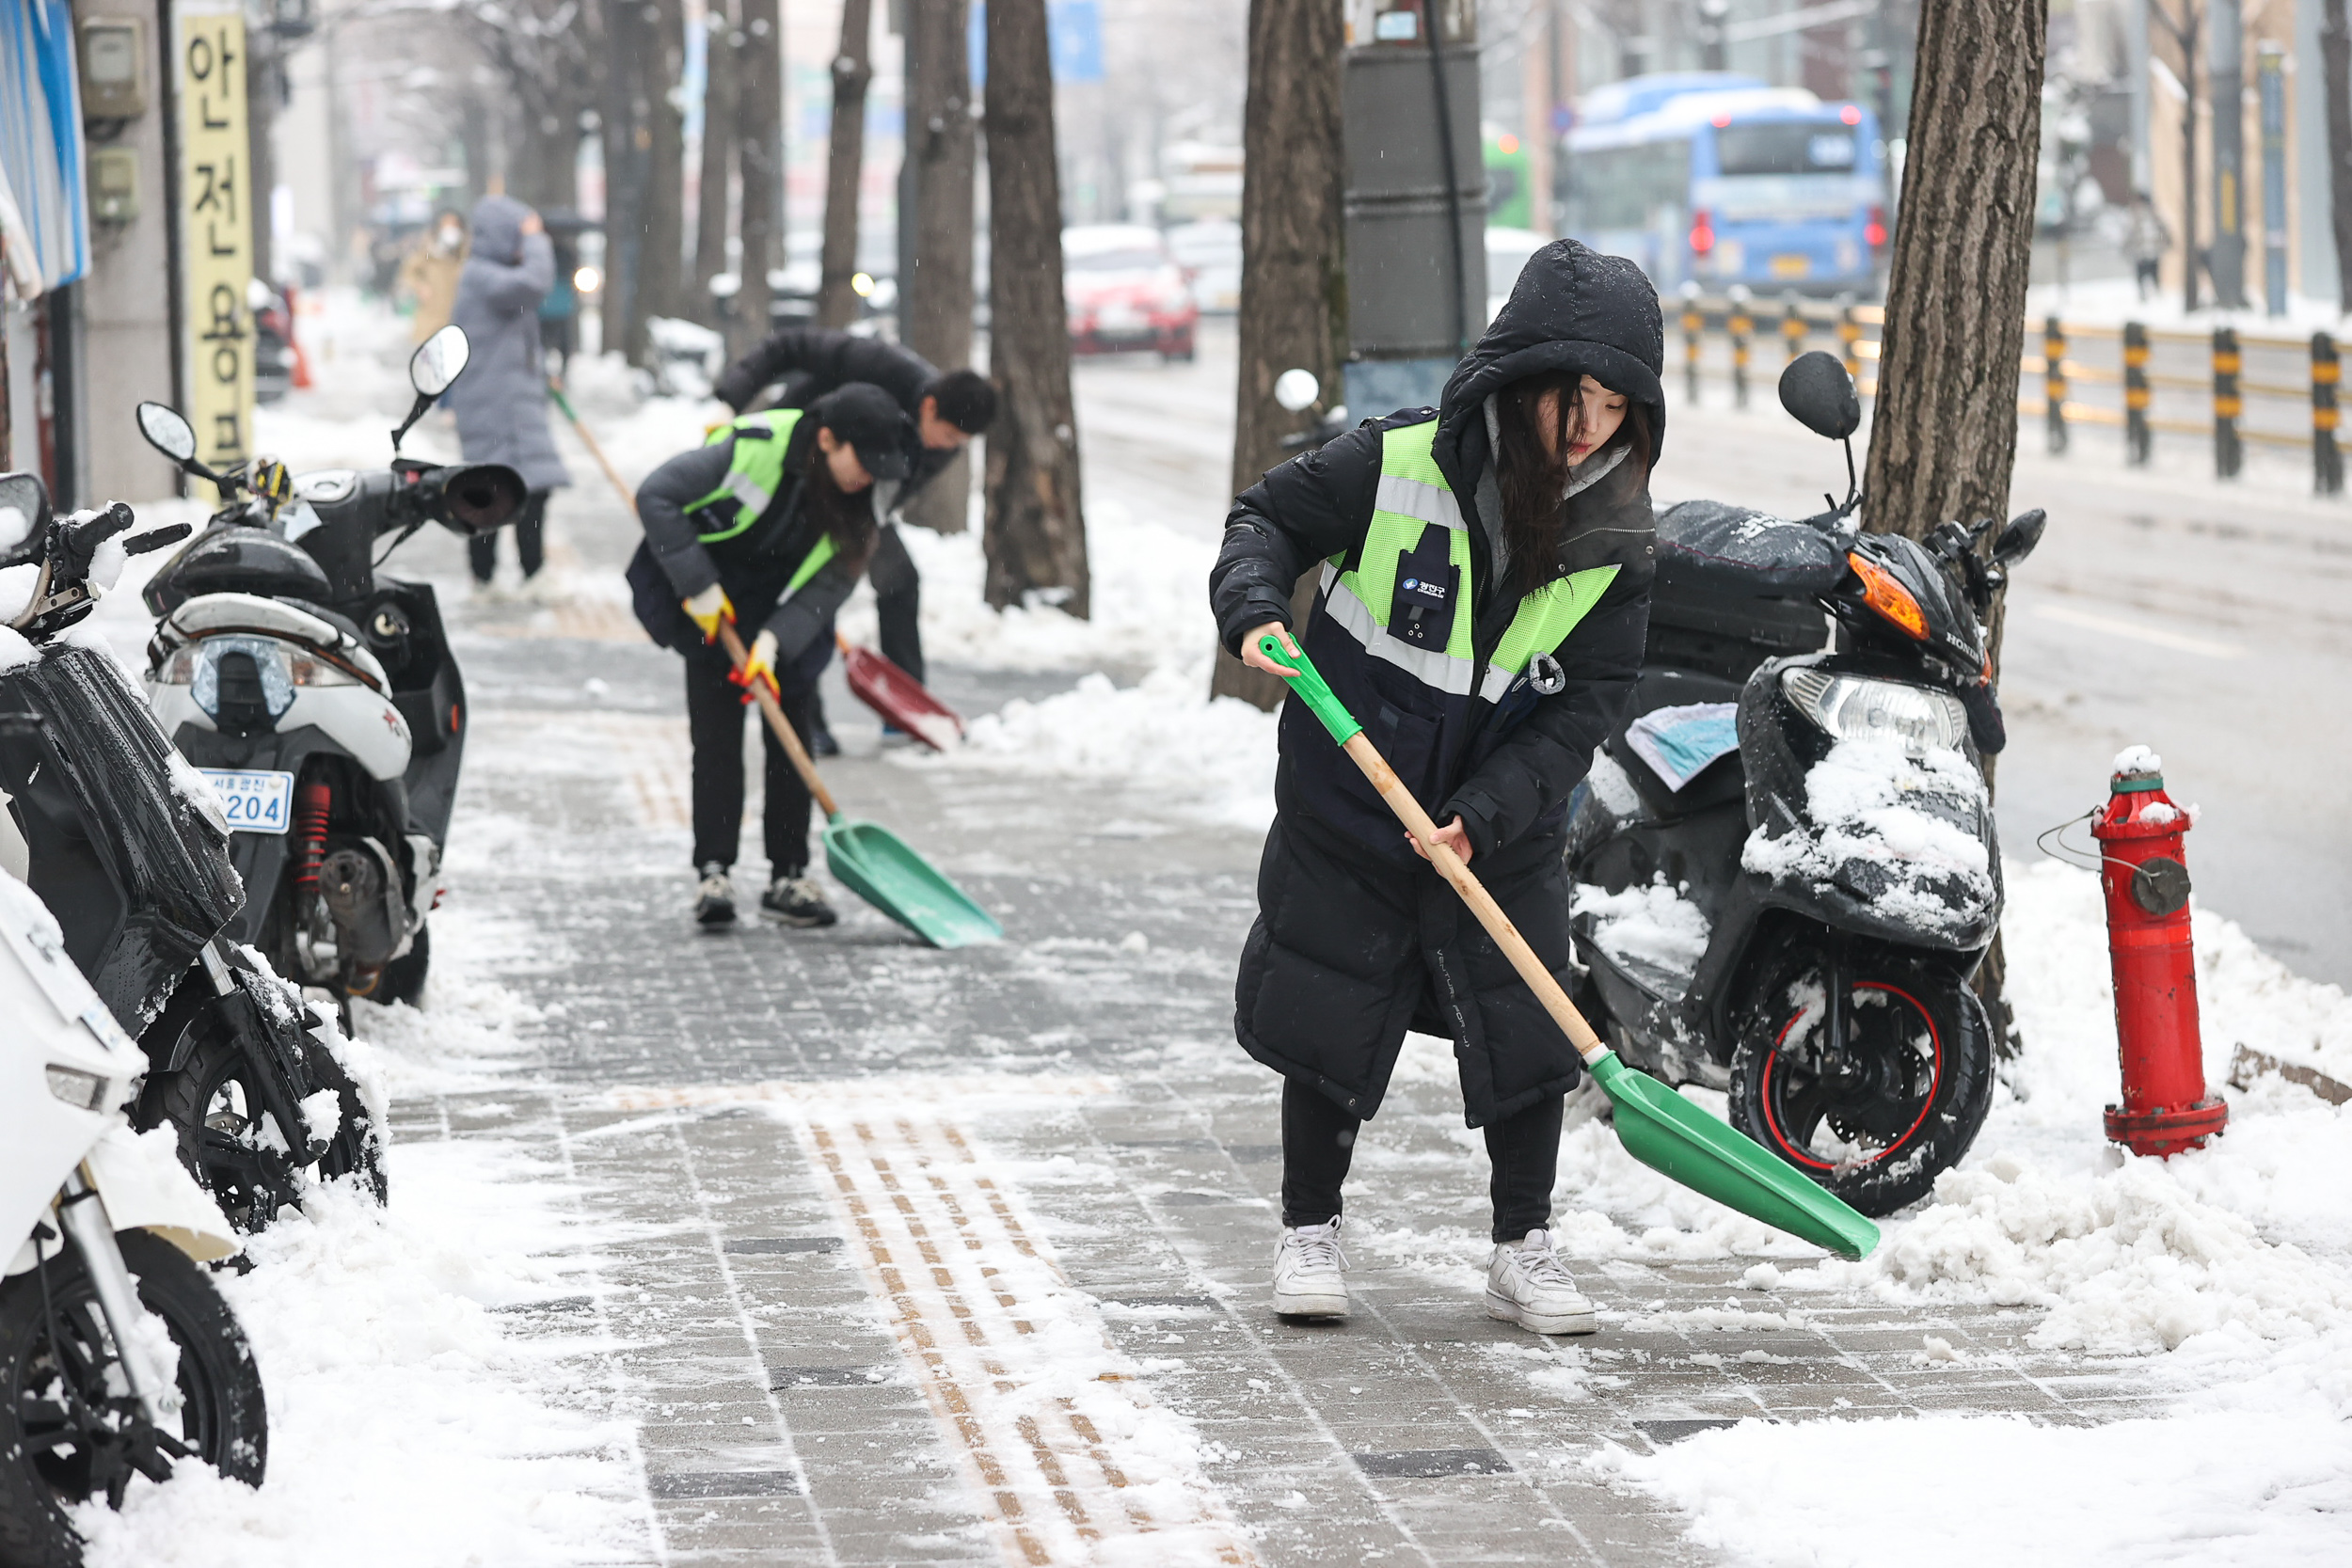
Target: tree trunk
x=2335 y=54
x=711 y=181
x=759 y=153
x=624 y=36
x=935 y=298
x=261 y=102
x=664 y=66
x=1294 y=274
x=1035 y=533
x=845 y=157
x=1944 y=431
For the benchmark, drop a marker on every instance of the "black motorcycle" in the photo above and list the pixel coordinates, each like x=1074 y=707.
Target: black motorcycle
x=119 y=837
x=320 y=696
x=1787 y=865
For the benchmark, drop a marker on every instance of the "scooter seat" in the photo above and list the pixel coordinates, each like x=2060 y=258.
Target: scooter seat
x=1721 y=550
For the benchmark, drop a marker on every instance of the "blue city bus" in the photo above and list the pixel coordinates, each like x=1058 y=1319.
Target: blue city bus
x=1722 y=179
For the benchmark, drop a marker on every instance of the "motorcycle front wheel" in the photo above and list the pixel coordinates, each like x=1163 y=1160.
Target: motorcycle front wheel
x=70 y=1431
x=234 y=1148
x=1877 y=1114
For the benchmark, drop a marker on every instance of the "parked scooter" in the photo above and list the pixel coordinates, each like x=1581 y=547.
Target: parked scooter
x=118 y=1355
x=117 y=836
x=1786 y=859
x=321 y=698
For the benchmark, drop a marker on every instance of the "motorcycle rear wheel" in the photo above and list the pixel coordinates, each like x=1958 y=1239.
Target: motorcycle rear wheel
x=224 y=1418
x=1879 y=1120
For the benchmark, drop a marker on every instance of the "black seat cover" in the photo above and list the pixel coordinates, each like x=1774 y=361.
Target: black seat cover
x=1715 y=549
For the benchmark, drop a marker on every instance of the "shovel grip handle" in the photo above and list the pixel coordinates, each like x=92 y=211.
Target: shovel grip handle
x=1310 y=688
x=771 y=711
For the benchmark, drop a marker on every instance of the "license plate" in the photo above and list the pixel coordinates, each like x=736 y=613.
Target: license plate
x=257 y=802
x=1791 y=267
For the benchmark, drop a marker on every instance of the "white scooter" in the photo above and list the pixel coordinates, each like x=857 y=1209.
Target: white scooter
x=116 y=1354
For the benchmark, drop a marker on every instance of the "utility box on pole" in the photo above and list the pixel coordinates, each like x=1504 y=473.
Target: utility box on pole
x=1416 y=198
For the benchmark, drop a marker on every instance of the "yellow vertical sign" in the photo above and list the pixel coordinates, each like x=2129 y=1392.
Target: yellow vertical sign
x=216 y=230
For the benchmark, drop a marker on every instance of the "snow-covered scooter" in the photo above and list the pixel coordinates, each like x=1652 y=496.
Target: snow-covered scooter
x=321 y=698
x=123 y=842
x=117 y=1355
x=1785 y=858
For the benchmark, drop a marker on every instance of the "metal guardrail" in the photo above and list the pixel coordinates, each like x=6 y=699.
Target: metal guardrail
x=2064 y=375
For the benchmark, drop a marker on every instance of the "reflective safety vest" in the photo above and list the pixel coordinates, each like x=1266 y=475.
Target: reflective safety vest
x=1408 y=601
x=755 y=476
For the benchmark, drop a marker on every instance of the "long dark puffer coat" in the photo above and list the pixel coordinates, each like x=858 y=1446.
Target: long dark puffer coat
x=1356 y=939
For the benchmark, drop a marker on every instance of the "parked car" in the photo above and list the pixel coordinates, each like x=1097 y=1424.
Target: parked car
x=1210 y=253
x=1126 y=290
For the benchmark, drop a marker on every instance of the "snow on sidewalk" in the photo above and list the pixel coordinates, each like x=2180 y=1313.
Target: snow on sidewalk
x=409 y=1425
x=2230 y=1269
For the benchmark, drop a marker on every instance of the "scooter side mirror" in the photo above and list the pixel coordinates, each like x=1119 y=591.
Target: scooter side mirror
x=439 y=360
x=1821 y=396
x=23 y=516
x=2019 y=536
x=168 y=431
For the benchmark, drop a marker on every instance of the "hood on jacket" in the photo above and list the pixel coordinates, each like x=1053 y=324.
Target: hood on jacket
x=498 y=229
x=1572 y=310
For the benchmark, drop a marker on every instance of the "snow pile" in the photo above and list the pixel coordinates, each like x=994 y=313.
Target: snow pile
x=1653 y=925
x=1220 y=755
x=390 y=1381
x=2232 y=1266
x=1891 y=829
x=2235 y=1488
x=2126 y=1262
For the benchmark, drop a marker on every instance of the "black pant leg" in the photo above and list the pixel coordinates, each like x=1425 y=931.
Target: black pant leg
x=1318 y=1145
x=531 y=534
x=714 y=719
x=482 y=554
x=1525 y=1152
x=898 y=602
x=783 y=813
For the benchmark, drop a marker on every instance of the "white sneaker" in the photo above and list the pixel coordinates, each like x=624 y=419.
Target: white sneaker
x=1527 y=1285
x=1307 y=1278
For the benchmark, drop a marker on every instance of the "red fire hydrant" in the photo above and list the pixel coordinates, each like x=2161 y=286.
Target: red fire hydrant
x=2164 y=1107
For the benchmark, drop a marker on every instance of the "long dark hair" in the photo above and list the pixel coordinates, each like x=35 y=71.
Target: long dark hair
x=848 y=518
x=1534 y=516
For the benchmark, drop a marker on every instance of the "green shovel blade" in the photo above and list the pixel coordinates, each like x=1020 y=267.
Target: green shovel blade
x=870 y=862
x=1674 y=1137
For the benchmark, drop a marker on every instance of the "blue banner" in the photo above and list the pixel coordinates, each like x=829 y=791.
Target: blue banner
x=44 y=210
x=1073 y=32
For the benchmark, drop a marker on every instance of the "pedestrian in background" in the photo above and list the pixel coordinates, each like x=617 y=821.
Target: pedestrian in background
x=501 y=401
x=1486 y=583
x=2145 y=242
x=429 y=274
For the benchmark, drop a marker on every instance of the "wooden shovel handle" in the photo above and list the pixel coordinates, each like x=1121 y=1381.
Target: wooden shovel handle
x=772 y=711
x=1531 y=968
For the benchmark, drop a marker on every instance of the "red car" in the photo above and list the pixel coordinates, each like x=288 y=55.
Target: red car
x=1124 y=290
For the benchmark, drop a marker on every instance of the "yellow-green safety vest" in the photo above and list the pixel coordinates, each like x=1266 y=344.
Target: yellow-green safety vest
x=755 y=476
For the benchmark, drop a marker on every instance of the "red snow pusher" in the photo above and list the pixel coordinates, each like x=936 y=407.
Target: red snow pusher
x=898 y=697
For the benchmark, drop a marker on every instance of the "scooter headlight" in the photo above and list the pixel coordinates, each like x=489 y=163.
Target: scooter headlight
x=1849 y=707
x=279 y=666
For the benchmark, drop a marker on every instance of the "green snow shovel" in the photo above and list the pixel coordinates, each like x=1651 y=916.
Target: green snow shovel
x=868 y=859
x=1657 y=1126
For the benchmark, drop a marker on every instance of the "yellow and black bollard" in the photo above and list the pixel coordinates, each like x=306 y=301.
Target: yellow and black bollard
x=2228 y=452
x=1793 y=326
x=2327 y=457
x=1742 y=325
x=1850 y=342
x=1693 y=327
x=2053 y=381
x=2135 y=396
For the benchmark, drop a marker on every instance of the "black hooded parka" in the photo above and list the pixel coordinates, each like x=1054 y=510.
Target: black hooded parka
x=1357 y=938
